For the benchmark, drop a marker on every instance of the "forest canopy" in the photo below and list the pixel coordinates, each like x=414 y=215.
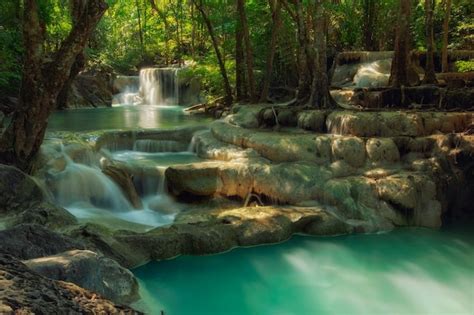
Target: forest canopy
x=135 y=33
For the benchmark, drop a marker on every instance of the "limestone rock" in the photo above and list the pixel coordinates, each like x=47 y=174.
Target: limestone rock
x=394 y=124
x=382 y=150
x=349 y=149
x=124 y=180
x=90 y=271
x=26 y=292
x=202 y=180
x=245 y=116
x=312 y=120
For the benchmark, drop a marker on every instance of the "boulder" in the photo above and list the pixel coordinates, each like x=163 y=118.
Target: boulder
x=27 y=241
x=413 y=195
x=91 y=271
x=45 y=214
x=312 y=120
x=199 y=180
x=23 y=291
x=18 y=191
x=350 y=150
x=382 y=150
x=125 y=181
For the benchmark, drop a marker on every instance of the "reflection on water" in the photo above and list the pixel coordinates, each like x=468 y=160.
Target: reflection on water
x=122 y=117
x=411 y=271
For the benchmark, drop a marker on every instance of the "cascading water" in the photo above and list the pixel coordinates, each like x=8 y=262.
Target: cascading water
x=128 y=87
x=159 y=86
x=154 y=86
x=83 y=189
x=154 y=146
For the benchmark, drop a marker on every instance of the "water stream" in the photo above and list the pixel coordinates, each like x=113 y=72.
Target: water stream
x=408 y=271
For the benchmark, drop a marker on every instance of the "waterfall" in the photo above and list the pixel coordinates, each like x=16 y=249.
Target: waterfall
x=159 y=86
x=128 y=87
x=80 y=183
x=154 y=146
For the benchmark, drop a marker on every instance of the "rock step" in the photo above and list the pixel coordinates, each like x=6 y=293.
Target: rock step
x=319 y=148
x=352 y=123
x=201 y=232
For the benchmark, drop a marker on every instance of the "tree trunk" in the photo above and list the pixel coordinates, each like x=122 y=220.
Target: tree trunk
x=368 y=24
x=240 y=82
x=275 y=6
x=248 y=49
x=140 y=31
x=444 y=49
x=228 y=90
x=430 y=74
x=166 y=26
x=304 y=78
x=400 y=63
x=320 y=96
x=77 y=67
x=41 y=83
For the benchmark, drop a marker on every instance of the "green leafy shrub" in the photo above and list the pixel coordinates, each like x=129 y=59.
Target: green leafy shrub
x=465 y=65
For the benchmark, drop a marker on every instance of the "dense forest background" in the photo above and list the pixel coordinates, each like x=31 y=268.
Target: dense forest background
x=137 y=33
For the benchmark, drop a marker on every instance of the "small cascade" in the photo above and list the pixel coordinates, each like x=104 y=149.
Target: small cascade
x=159 y=86
x=192 y=147
x=373 y=74
x=128 y=87
x=82 y=184
x=150 y=181
x=362 y=70
x=154 y=146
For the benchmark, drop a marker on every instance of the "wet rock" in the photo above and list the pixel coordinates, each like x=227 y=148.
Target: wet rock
x=382 y=150
x=125 y=140
x=27 y=241
x=349 y=149
x=198 y=232
x=125 y=181
x=81 y=153
x=26 y=292
x=91 y=271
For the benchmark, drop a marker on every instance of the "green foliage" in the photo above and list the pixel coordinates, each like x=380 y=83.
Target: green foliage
x=465 y=65
x=132 y=34
x=10 y=48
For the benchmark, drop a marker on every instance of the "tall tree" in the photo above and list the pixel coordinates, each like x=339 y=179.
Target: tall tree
x=240 y=82
x=369 y=13
x=444 y=49
x=248 y=49
x=43 y=80
x=400 y=63
x=320 y=96
x=304 y=75
x=275 y=7
x=430 y=74
x=228 y=90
